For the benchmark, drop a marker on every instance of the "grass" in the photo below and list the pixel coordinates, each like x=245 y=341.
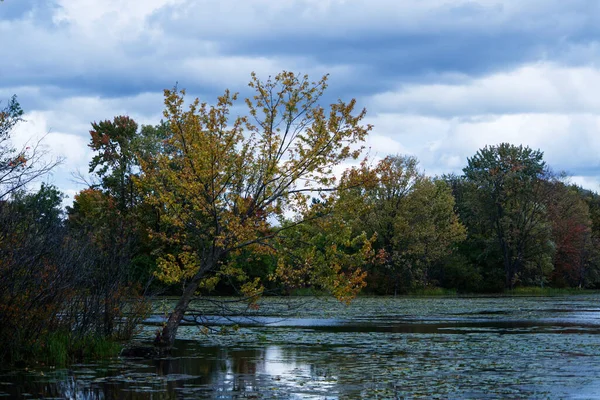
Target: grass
x=61 y=348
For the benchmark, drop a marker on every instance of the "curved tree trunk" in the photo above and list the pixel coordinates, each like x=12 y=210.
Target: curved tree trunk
x=166 y=338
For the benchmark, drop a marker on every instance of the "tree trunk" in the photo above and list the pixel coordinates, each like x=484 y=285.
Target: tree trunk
x=508 y=279
x=166 y=338
x=508 y=269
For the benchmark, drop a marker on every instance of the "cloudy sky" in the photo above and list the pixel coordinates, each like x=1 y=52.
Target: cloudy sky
x=439 y=78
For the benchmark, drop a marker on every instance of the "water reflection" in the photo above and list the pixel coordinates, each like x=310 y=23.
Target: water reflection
x=192 y=372
x=227 y=372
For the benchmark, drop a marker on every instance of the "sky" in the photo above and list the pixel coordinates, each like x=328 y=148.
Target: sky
x=440 y=79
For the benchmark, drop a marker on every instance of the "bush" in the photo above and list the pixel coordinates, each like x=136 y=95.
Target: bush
x=53 y=305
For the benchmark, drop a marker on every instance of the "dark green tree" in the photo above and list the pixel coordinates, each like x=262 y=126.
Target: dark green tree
x=115 y=157
x=505 y=199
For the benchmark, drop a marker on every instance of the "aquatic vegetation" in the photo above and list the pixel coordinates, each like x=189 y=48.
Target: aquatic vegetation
x=503 y=347
x=61 y=348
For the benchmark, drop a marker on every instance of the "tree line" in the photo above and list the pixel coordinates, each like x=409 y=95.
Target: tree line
x=209 y=203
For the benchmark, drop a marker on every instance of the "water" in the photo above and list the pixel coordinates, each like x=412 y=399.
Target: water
x=533 y=347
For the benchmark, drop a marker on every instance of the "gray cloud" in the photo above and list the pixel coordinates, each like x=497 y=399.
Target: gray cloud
x=439 y=78
x=116 y=50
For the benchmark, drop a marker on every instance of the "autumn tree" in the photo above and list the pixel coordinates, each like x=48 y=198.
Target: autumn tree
x=411 y=215
x=112 y=205
x=50 y=282
x=111 y=216
x=223 y=181
x=571 y=233
x=324 y=251
x=505 y=199
x=36 y=270
x=589 y=273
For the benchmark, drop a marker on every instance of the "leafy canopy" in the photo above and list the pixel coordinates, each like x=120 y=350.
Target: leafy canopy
x=505 y=196
x=222 y=182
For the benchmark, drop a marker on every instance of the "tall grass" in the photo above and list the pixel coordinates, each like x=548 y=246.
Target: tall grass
x=62 y=348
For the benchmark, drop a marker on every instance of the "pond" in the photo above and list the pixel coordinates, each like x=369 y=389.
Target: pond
x=377 y=347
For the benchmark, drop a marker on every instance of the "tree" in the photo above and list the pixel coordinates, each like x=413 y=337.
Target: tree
x=118 y=147
x=18 y=167
x=220 y=181
x=571 y=233
x=411 y=215
x=590 y=270
x=96 y=220
x=505 y=197
x=34 y=271
x=115 y=158
x=324 y=251
x=50 y=283
x=112 y=217
x=429 y=228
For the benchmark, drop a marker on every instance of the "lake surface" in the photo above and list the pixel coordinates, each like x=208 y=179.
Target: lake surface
x=302 y=348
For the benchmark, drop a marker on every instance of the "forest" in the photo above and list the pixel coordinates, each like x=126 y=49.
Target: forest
x=209 y=203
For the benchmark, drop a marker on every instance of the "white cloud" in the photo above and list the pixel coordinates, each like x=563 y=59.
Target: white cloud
x=540 y=87
x=74 y=114
x=379 y=144
x=586 y=182
x=569 y=142
x=543 y=105
x=72 y=147
x=35 y=132
x=114 y=18
x=64 y=129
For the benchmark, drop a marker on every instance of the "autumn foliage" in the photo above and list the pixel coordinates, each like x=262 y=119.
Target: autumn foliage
x=225 y=182
x=267 y=195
